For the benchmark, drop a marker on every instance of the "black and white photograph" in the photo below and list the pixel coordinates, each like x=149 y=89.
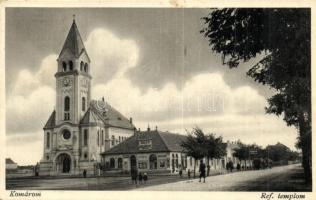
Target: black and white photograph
x=203 y=99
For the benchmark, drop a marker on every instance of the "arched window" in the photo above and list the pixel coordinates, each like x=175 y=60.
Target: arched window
x=64 y=66
x=112 y=163
x=85 y=137
x=86 y=67
x=71 y=65
x=66 y=108
x=67 y=104
x=81 y=66
x=48 y=140
x=153 y=161
x=83 y=101
x=120 y=163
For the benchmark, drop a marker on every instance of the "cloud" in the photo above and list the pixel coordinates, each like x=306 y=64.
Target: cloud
x=110 y=55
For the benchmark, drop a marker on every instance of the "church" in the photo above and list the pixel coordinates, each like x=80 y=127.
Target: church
x=79 y=129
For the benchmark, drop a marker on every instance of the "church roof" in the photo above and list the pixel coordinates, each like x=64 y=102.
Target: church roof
x=74 y=42
x=160 y=142
x=51 y=121
x=103 y=111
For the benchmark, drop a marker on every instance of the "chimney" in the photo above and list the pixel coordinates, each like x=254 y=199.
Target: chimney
x=103 y=99
x=156 y=128
x=131 y=120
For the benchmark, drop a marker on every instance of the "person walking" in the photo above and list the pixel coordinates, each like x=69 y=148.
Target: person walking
x=84 y=173
x=208 y=169
x=189 y=174
x=145 y=177
x=202 y=170
x=134 y=175
x=140 y=178
x=180 y=171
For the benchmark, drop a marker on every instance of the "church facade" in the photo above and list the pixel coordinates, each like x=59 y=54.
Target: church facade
x=79 y=128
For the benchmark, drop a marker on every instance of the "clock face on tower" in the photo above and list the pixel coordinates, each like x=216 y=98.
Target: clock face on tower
x=66 y=82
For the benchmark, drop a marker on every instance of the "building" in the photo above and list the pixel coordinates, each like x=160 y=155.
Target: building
x=150 y=150
x=79 y=128
x=154 y=151
x=10 y=164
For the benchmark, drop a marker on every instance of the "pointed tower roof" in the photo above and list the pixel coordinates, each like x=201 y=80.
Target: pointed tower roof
x=74 y=42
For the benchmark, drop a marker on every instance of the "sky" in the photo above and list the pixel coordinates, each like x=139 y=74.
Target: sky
x=150 y=64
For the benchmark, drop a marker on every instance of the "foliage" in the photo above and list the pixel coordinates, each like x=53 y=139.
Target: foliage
x=282 y=38
x=215 y=146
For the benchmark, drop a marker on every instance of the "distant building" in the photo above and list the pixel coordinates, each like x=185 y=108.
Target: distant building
x=157 y=152
x=10 y=164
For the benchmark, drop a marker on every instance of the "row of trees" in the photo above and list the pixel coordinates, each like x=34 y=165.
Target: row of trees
x=199 y=145
x=272 y=154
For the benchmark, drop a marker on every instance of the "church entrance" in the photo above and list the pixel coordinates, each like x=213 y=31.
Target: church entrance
x=63 y=162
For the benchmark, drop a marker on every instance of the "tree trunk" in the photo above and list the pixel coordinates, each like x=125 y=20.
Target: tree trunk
x=194 y=167
x=305 y=143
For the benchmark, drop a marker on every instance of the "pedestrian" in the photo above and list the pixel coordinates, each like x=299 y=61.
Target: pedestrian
x=140 y=178
x=238 y=166
x=202 y=170
x=180 y=171
x=208 y=169
x=189 y=173
x=134 y=175
x=84 y=173
x=227 y=167
x=145 y=177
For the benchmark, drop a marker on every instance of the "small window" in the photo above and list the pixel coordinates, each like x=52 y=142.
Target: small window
x=67 y=103
x=98 y=139
x=113 y=140
x=66 y=134
x=86 y=67
x=71 y=65
x=85 y=137
x=81 y=66
x=85 y=155
x=102 y=138
x=120 y=163
x=47 y=157
x=83 y=101
x=48 y=140
x=64 y=66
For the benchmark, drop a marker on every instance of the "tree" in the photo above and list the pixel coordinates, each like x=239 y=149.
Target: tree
x=194 y=145
x=281 y=38
x=242 y=152
x=215 y=147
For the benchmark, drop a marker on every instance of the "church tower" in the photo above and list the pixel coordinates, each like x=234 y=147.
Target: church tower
x=73 y=79
x=79 y=129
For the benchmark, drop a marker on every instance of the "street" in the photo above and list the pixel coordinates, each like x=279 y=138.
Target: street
x=284 y=178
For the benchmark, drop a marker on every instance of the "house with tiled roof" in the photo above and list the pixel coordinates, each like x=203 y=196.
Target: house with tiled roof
x=79 y=129
x=155 y=151
x=150 y=150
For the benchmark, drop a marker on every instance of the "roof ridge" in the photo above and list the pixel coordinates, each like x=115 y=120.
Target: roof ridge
x=163 y=139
